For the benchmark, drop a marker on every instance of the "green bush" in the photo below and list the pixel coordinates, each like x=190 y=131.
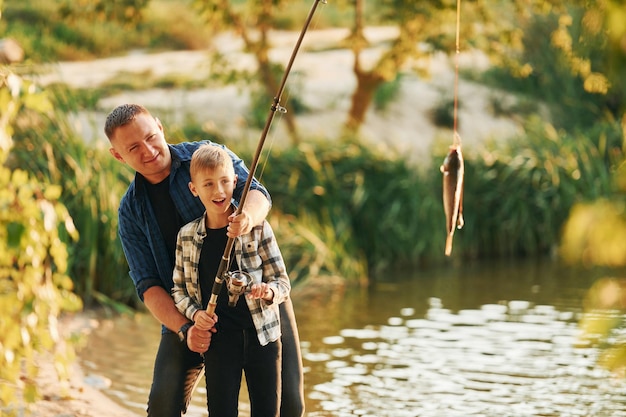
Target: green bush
x=92 y=184
x=34 y=286
x=47 y=36
x=517 y=195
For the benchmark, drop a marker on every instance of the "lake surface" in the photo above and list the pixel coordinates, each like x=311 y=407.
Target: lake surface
x=481 y=339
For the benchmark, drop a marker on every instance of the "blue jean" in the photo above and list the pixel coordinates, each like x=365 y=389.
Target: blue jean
x=231 y=353
x=174 y=360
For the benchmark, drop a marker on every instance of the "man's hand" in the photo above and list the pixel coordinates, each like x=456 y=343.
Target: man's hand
x=199 y=335
x=239 y=224
x=198 y=340
x=252 y=213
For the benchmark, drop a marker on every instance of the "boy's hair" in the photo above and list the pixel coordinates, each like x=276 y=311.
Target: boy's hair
x=209 y=157
x=122 y=115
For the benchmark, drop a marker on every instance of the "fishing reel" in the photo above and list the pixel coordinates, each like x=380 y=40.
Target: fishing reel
x=237 y=283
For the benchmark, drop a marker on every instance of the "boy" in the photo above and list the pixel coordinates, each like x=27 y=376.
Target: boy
x=247 y=336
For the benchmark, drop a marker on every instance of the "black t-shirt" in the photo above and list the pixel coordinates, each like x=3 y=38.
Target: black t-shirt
x=167 y=216
x=237 y=317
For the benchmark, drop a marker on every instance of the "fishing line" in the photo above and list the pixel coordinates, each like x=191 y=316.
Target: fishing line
x=457 y=137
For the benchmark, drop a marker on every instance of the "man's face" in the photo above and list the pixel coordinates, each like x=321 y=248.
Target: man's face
x=141 y=144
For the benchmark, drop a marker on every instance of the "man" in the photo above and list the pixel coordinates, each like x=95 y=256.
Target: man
x=155 y=206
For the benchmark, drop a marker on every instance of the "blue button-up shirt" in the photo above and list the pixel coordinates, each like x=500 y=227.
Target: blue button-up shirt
x=149 y=260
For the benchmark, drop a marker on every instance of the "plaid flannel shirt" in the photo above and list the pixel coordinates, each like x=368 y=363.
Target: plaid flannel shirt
x=257 y=253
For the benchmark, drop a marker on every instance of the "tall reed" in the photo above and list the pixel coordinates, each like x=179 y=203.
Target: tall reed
x=517 y=194
x=92 y=183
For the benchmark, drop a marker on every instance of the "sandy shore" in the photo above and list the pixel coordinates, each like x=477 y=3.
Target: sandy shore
x=79 y=398
x=79 y=395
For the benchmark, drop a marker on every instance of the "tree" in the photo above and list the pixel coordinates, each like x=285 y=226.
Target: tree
x=569 y=54
x=412 y=19
x=253 y=24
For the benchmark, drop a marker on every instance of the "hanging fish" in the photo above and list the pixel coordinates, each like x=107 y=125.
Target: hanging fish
x=453 y=171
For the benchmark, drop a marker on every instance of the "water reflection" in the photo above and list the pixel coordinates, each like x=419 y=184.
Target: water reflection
x=485 y=340
x=498 y=360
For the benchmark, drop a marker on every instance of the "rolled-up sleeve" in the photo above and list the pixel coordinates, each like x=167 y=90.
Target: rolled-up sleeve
x=142 y=267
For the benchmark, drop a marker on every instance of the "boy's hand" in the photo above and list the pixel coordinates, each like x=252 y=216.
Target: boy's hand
x=203 y=321
x=262 y=290
x=252 y=213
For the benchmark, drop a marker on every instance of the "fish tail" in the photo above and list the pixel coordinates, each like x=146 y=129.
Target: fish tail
x=449 y=244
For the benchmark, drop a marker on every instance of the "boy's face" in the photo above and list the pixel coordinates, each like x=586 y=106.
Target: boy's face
x=214 y=187
x=141 y=144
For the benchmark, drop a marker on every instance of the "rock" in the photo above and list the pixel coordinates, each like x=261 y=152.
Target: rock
x=10 y=51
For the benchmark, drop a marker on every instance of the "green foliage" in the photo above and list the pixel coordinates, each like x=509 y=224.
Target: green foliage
x=124 y=11
x=313 y=248
x=565 y=61
x=595 y=231
x=442 y=114
x=78 y=30
x=34 y=286
x=92 y=184
x=529 y=186
x=68 y=99
x=262 y=102
x=372 y=200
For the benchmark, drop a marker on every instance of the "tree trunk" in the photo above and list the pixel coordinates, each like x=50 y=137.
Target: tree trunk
x=362 y=98
x=260 y=50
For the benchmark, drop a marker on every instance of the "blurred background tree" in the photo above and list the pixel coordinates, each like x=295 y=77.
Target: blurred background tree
x=569 y=55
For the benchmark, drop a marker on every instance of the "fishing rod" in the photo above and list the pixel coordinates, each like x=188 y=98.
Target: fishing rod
x=276 y=106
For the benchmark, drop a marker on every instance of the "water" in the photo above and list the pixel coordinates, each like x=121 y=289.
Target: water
x=488 y=339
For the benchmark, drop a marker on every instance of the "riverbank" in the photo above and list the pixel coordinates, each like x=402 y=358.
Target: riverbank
x=80 y=399
x=80 y=395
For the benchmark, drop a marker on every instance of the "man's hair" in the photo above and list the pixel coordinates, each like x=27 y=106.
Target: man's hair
x=209 y=157
x=122 y=115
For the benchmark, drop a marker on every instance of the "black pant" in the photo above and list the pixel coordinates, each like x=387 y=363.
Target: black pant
x=292 y=401
x=174 y=361
x=233 y=352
